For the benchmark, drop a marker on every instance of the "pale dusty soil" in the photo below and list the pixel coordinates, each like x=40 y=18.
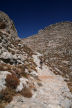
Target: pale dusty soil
x=53 y=93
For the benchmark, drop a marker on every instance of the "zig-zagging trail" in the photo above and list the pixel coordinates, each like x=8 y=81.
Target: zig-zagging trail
x=53 y=93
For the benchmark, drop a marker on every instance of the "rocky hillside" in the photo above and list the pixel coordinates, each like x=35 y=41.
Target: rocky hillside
x=26 y=78
x=55 y=42
x=17 y=67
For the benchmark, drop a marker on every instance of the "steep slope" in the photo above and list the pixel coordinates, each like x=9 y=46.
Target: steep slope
x=17 y=67
x=25 y=79
x=55 y=42
x=53 y=93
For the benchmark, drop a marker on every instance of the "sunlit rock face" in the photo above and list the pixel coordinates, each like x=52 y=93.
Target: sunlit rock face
x=55 y=43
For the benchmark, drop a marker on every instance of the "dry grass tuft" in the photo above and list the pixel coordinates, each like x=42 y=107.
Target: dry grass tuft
x=7 y=94
x=12 y=81
x=26 y=92
x=1 y=106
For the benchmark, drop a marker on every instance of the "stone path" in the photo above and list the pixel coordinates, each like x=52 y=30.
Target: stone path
x=53 y=93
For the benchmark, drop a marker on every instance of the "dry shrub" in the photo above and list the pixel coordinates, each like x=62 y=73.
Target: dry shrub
x=26 y=92
x=27 y=50
x=16 y=71
x=5 y=67
x=7 y=95
x=20 y=71
x=2 y=106
x=2 y=67
x=12 y=81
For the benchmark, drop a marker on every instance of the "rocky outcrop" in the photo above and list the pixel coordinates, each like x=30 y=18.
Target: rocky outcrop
x=17 y=67
x=7 y=25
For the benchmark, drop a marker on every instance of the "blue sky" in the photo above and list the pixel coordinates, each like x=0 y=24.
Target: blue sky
x=30 y=16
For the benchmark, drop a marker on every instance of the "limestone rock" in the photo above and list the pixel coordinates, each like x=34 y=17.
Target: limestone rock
x=34 y=70
x=3 y=75
x=55 y=43
x=8 y=24
x=23 y=83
